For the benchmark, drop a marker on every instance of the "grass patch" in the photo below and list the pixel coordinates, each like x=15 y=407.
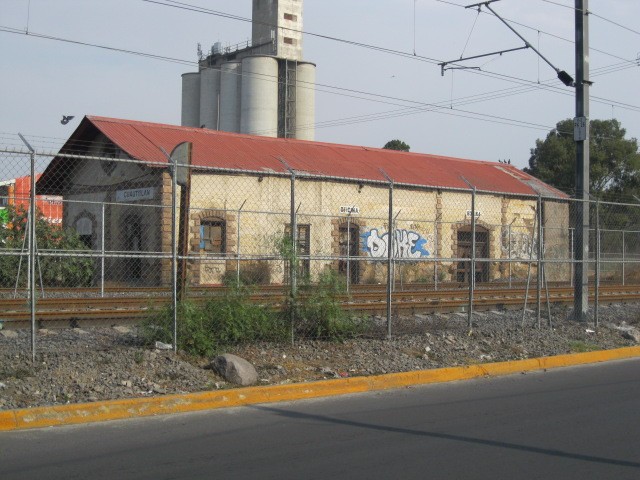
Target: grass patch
x=579 y=346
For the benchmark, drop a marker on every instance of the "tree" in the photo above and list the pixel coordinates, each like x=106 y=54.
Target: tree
x=396 y=145
x=56 y=271
x=614 y=159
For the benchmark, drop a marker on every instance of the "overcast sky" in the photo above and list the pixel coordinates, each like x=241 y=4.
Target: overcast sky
x=367 y=96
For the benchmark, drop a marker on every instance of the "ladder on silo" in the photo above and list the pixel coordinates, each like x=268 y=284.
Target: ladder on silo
x=291 y=67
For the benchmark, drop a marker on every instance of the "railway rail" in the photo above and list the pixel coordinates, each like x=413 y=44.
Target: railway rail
x=65 y=310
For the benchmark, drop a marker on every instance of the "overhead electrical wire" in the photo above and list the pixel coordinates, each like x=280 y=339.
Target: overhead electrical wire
x=591 y=12
x=536 y=29
x=438 y=108
x=411 y=110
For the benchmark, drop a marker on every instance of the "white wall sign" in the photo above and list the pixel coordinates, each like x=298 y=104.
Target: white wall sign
x=477 y=213
x=346 y=210
x=147 y=193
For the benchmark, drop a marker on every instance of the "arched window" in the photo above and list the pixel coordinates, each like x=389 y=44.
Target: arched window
x=213 y=233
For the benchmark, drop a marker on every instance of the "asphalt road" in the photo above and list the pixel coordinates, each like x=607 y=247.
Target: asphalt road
x=574 y=423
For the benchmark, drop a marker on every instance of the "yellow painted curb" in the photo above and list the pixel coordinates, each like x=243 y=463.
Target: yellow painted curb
x=140 y=407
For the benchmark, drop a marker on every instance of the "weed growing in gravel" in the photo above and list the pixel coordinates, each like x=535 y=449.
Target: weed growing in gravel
x=138 y=357
x=320 y=314
x=222 y=321
x=19 y=373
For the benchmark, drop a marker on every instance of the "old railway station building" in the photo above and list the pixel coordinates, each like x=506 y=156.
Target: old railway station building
x=116 y=184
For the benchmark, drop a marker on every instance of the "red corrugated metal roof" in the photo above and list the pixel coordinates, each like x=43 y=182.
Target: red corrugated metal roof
x=142 y=141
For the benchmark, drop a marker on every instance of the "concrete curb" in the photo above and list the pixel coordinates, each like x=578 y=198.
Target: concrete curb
x=40 y=417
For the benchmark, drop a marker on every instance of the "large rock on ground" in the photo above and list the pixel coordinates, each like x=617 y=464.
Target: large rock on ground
x=235 y=369
x=632 y=334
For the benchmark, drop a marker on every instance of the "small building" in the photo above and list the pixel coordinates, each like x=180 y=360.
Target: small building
x=115 y=180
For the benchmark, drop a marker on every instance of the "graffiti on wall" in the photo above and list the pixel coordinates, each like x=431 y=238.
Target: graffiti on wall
x=406 y=244
x=518 y=245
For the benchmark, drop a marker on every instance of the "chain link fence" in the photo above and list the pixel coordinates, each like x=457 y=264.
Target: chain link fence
x=115 y=239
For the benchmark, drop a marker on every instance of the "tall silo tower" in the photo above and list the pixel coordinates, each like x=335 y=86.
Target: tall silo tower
x=262 y=87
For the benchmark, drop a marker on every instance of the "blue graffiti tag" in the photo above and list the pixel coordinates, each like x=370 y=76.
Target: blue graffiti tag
x=407 y=244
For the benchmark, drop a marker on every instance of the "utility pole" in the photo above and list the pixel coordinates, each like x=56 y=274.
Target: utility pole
x=581 y=136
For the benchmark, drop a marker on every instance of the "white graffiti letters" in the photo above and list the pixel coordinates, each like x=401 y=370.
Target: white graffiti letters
x=406 y=244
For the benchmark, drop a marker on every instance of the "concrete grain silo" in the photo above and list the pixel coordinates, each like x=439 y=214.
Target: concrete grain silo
x=190 y=100
x=259 y=87
x=259 y=97
x=305 y=101
x=230 y=85
x=209 y=98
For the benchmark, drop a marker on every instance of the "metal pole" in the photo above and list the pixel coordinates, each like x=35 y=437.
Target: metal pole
x=174 y=253
x=581 y=136
x=623 y=258
x=526 y=290
x=293 y=263
x=509 y=247
x=102 y=253
x=31 y=224
x=435 y=247
x=238 y=250
x=32 y=254
x=390 y=259
x=348 y=250
x=539 y=269
x=472 y=273
x=597 y=292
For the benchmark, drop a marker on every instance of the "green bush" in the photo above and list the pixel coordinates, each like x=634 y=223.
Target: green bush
x=222 y=321
x=320 y=315
x=55 y=271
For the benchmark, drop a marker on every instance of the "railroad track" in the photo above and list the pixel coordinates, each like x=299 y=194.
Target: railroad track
x=64 y=312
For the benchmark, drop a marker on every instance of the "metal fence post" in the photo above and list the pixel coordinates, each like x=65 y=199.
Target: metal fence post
x=539 y=269
x=596 y=306
x=390 y=236
x=623 y=257
x=509 y=254
x=31 y=223
x=102 y=252
x=348 y=250
x=435 y=248
x=32 y=253
x=472 y=273
x=293 y=262
x=174 y=251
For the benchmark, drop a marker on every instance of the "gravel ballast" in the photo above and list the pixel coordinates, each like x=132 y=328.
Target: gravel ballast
x=88 y=365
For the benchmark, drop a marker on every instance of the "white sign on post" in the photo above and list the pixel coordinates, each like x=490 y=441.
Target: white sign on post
x=580 y=129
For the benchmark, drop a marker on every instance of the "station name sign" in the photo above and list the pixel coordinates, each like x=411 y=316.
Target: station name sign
x=147 y=193
x=349 y=210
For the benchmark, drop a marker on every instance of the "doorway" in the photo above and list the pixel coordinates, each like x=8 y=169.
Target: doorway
x=349 y=242
x=463 y=269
